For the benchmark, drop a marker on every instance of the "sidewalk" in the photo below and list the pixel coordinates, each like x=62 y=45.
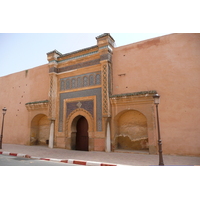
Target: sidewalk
x=117 y=158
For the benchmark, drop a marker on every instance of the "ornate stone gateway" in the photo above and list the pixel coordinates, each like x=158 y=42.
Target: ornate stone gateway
x=79 y=104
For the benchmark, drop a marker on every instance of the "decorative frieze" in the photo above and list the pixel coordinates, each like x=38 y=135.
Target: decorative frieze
x=77 y=57
x=80 y=81
x=76 y=66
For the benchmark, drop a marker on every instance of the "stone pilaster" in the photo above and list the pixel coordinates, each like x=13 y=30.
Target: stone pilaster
x=108 y=136
x=52 y=58
x=106 y=44
x=51 y=135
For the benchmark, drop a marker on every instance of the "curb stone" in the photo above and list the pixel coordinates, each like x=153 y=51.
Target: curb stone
x=70 y=161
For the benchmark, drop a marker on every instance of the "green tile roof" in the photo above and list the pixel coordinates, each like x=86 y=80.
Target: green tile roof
x=134 y=93
x=36 y=102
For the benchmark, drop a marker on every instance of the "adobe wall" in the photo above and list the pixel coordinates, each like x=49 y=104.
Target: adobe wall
x=169 y=65
x=15 y=91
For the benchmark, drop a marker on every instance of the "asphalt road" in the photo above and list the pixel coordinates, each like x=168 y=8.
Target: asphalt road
x=20 y=161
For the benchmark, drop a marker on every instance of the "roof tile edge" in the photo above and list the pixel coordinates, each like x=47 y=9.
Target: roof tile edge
x=134 y=93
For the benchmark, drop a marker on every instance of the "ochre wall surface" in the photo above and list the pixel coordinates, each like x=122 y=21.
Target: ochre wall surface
x=169 y=65
x=15 y=91
x=132 y=126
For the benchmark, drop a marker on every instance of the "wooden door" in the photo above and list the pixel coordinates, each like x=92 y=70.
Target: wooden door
x=82 y=134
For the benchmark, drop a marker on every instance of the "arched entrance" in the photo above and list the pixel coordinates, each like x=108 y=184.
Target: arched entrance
x=79 y=137
x=132 y=131
x=40 y=128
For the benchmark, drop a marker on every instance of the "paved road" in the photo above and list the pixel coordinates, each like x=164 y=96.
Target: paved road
x=20 y=161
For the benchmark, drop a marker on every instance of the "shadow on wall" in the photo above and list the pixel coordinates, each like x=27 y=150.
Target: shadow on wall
x=40 y=129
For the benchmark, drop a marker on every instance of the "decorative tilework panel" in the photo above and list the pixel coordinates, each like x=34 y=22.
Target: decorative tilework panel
x=77 y=66
x=91 y=79
x=62 y=85
x=83 y=93
x=67 y=84
x=85 y=81
x=76 y=57
x=98 y=79
x=87 y=105
x=73 y=85
x=80 y=81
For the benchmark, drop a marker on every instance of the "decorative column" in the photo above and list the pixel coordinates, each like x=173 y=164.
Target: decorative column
x=105 y=90
x=51 y=135
x=52 y=108
x=106 y=44
x=106 y=103
x=108 y=145
x=52 y=58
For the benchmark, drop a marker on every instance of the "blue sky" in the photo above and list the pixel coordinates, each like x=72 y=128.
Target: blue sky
x=30 y=29
x=21 y=51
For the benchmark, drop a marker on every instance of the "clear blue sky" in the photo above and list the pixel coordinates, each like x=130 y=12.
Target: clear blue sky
x=21 y=51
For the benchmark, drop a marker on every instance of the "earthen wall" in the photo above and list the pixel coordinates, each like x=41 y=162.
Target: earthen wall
x=15 y=91
x=169 y=65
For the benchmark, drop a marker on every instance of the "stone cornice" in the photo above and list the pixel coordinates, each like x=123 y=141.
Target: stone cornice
x=55 y=51
x=134 y=94
x=103 y=35
x=143 y=97
x=82 y=55
x=37 y=105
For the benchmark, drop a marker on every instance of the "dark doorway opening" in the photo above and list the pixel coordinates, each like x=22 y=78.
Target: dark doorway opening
x=82 y=138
